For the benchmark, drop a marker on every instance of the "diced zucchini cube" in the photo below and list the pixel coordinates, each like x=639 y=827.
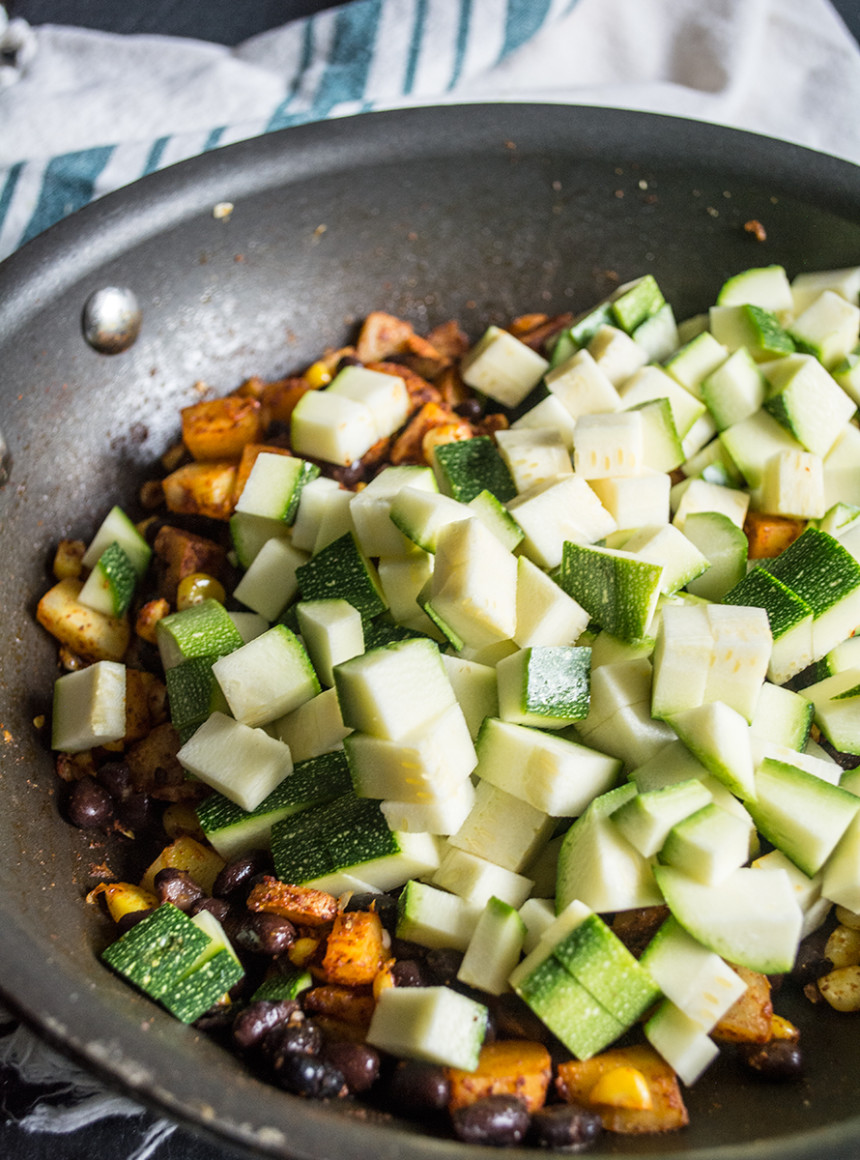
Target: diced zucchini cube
x=430 y=1023
x=478 y=880
x=193 y=694
x=707 y=844
x=582 y=387
x=751 y=328
x=617 y=354
x=503 y=828
x=735 y=390
x=341 y=569
x=555 y=511
x=332 y=632
x=601 y=963
x=652 y=382
x=544 y=685
x=635 y=501
x=765 y=286
x=829 y=328
x=434 y=918
x=110 y=586
x=609 y=444
x=494 y=948
x=646 y=819
x=270 y=582
x=117 y=528
x=384 y=395
x=274 y=486
x=201 y=630
x=502 y=367
x=469 y=466
x=332 y=427
x=618 y=589
x=807 y=401
x=89 y=707
x=533 y=456
x=268 y=677
x=243 y=763
x=371 y=508
x=474 y=584
x=546 y=615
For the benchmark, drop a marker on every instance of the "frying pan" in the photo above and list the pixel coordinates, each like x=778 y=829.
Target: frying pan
x=477 y=213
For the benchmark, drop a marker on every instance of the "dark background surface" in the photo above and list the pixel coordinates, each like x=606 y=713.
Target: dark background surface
x=224 y=22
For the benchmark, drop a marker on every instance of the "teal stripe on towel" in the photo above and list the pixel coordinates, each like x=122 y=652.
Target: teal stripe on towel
x=523 y=21
x=67 y=186
x=8 y=190
x=346 y=70
x=462 y=41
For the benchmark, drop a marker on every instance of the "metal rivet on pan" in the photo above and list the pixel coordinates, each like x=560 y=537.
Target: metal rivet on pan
x=111 y=319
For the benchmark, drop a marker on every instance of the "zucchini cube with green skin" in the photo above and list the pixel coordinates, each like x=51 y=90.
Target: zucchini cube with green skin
x=724 y=545
x=720 y=738
x=274 y=486
x=683 y=654
x=807 y=401
x=435 y=1024
x=473 y=588
x=680 y=1041
x=598 y=959
x=249 y=534
x=667 y=546
x=635 y=501
x=800 y=814
x=751 y=442
x=694 y=978
x=385 y=396
x=243 y=763
x=495 y=516
x=840 y=878
x=316 y=495
x=478 y=880
x=699 y=495
x=193 y=694
x=752 y=918
x=421 y=514
x=545 y=686
x=315 y=727
x=708 y=844
x=646 y=819
x=332 y=632
x=567 y=1008
x=502 y=367
x=821 y=571
x=582 y=387
x=695 y=361
x=201 y=630
x=419 y=767
x=270 y=582
x=789 y=618
x=233 y=831
x=555 y=511
x=616 y=353
x=494 y=948
x=553 y=774
x=764 y=286
x=467 y=467
x=392 y=691
x=635 y=301
x=89 y=707
x=332 y=427
x=342 y=569
x=288 y=985
x=177 y=961
x=598 y=866
x=618 y=589
x=370 y=508
x=503 y=828
x=651 y=383
x=117 y=528
x=110 y=586
x=658 y=334
x=828 y=329
x=751 y=328
x=549 y=412
x=440 y=815
x=533 y=456
x=835 y=701
x=743 y=646
x=735 y=390
x=546 y=615
x=267 y=677
x=435 y=918
x=609 y=444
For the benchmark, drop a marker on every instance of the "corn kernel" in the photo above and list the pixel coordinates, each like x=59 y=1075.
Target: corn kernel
x=841 y=988
x=123 y=898
x=622 y=1087
x=781 y=1028
x=302 y=951
x=384 y=978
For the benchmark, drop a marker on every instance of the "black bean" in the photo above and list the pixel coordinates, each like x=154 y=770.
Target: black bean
x=216 y=906
x=408 y=973
x=263 y=933
x=309 y=1076
x=259 y=1019
x=779 y=1059
x=132 y=918
x=811 y=961
x=236 y=877
x=514 y=1020
x=469 y=409
x=178 y=887
x=136 y=811
x=358 y=1063
x=292 y=1038
x=90 y=806
x=418 y=1087
x=348 y=360
x=384 y=905
x=567 y=1126
x=116 y=777
x=497 y=1120
x=444 y=963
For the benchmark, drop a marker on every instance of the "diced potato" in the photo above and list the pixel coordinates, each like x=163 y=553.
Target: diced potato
x=408 y=446
x=203 y=489
x=201 y=862
x=138 y=720
x=155 y=769
x=344 y=1004
x=220 y=428
x=355 y=949
x=123 y=898
x=88 y=633
x=183 y=553
x=300 y=904
x=768 y=535
x=578 y=1078
x=148 y=617
x=279 y=399
x=515 y=1067
x=749 y=1019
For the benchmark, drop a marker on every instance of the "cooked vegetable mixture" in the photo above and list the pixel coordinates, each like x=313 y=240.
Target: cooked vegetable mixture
x=488 y=715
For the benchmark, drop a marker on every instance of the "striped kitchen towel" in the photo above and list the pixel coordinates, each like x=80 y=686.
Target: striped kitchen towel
x=83 y=112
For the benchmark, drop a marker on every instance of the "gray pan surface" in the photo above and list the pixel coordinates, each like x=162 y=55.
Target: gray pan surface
x=477 y=213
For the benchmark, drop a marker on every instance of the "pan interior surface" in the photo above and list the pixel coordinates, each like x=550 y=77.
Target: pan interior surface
x=477 y=213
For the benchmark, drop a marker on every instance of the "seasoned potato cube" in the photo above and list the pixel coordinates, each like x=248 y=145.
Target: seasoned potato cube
x=203 y=489
x=355 y=950
x=220 y=428
x=90 y=634
x=515 y=1067
x=749 y=1019
x=578 y=1078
